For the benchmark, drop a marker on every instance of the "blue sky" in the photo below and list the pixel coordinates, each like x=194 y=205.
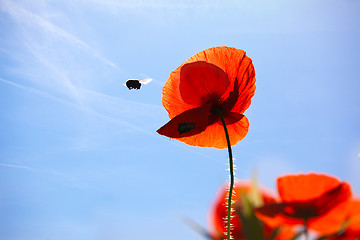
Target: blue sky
x=79 y=154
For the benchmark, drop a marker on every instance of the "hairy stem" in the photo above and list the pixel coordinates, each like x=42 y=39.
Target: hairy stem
x=232 y=178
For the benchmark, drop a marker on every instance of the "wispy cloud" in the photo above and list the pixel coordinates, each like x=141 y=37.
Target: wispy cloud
x=108 y=118
x=37 y=92
x=50 y=57
x=158 y=4
x=75 y=182
x=84 y=108
x=56 y=66
x=17 y=166
x=58 y=77
x=55 y=72
x=25 y=17
x=120 y=100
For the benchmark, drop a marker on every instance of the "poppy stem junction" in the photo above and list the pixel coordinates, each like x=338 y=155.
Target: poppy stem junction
x=232 y=178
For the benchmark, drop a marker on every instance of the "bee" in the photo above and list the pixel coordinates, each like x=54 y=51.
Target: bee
x=136 y=83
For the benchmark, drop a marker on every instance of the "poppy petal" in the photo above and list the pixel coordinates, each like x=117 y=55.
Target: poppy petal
x=246 y=84
x=271 y=209
x=332 y=221
x=332 y=198
x=354 y=218
x=227 y=58
x=201 y=82
x=239 y=98
x=302 y=187
x=187 y=124
x=210 y=137
x=319 y=206
x=237 y=65
x=232 y=98
x=230 y=118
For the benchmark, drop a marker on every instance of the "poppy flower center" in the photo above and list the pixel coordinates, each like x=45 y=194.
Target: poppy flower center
x=216 y=108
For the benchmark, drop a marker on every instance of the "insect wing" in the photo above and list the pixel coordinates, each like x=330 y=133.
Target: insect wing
x=145 y=80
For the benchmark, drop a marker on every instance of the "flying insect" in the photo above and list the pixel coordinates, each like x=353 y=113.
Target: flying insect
x=136 y=83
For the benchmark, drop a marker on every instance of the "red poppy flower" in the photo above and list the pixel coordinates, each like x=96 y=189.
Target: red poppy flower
x=218 y=213
x=306 y=197
x=217 y=79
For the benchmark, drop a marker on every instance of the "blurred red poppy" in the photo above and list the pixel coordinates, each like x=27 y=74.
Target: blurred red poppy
x=217 y=79
x=306 y=198
x=351 y=228
x=218 y=214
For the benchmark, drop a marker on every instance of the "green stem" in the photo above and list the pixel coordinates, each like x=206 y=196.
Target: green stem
x=231 y=163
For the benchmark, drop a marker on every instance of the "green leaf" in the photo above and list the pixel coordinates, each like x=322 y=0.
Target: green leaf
x=254 y=195
x=252 y=226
